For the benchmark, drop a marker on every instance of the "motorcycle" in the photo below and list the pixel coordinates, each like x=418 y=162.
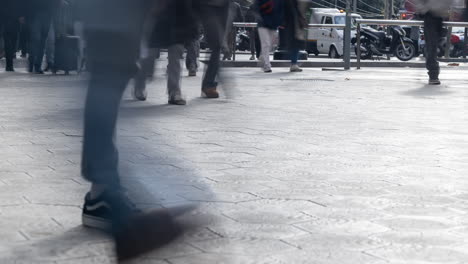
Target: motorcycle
x=242 y=40
x=378 y=43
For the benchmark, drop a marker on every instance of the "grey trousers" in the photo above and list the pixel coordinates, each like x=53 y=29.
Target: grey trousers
x=174 y=69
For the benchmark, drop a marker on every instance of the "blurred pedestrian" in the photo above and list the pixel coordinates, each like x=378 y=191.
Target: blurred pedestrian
x=12 y=13
x=294 y=25
x=113 y=32
x=213 y=16
x=433 y=12
x=270 y=16
x=254 y=41
x=174 y=26
x=40 y=14
x=234 y=15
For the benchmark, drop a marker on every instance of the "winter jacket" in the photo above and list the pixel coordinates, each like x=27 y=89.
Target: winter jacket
x=436 y=7
x=176 y=24
x=270 y=13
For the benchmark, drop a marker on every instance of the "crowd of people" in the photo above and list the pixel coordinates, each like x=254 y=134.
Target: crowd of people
x=114 y=33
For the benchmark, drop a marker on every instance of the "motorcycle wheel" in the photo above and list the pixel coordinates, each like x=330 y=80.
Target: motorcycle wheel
x=405 y=53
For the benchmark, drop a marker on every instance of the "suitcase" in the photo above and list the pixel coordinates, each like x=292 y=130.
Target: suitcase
x=66 y=54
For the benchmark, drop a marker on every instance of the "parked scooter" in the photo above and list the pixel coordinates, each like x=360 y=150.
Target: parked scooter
x=242 y=40
x=378 y=43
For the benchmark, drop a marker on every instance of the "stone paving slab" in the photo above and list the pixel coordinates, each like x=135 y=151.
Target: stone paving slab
x=351 y=167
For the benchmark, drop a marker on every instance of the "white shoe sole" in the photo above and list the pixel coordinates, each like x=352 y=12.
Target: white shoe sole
x=96 y=222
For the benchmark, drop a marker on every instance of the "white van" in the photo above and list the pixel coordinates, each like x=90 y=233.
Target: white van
x=328 y=40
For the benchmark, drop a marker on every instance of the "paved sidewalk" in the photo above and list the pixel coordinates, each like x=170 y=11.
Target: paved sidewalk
x=318 y=167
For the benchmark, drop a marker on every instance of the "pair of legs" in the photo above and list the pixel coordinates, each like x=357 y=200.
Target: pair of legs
x=254 y=44
x=432 y=35
x=10 y=37
x=174 y=69
x=266 y=39
x=40 y=26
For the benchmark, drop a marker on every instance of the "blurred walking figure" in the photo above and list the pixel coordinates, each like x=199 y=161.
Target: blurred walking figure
x=234 y=15
x=11 y=15
x=113 y=31
x=433 y=12
x=270 y=17
x=213 y=16
x=294 y=25
x=251 y=17
x=40 y=14
x=174 y=26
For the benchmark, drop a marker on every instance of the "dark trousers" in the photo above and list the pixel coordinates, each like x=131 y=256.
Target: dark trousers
x=10 y=29
x=214 y=20
x=112 y=54
x=432 y=35
x=40 y=26
x=112 y=58
x=24 y=36
x=193 y=52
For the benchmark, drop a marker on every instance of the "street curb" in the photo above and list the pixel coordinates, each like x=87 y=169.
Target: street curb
x=322 y=64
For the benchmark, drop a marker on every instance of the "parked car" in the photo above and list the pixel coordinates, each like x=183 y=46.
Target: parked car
x=328 y=40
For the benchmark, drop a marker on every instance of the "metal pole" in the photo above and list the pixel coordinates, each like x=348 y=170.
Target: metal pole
x=358 y=45
x=355 y=6
x=347 y=37
x=234 y=46
x=448 y=42
x=465 y=41
x=336 y=3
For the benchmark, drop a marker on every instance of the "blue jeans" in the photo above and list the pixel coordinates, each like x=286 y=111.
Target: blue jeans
x=294 y=55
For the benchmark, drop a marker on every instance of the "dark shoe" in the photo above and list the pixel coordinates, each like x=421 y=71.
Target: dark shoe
x=267 y=71
x=192 y=73
x=97 y=213
x=252 y=57
x=9 y=69
x=295 y=68
x=178 y=101
x=139 y=90
x=38 y=72
x=434 y=81
x=210 y=92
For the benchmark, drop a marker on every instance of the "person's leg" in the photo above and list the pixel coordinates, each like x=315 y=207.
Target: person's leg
x=266 y=42
x=214 y=24
x=23 y=41
x=10 y=37
x=294 y=53
x=44 y=22
x=191 y=61
x=50 y=48
x=432 y=35
x=252 y=43
x=147 y=68
x=174 y=74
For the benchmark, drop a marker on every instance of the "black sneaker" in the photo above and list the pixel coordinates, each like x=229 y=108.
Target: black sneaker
x=102 y=212
x=434 y=81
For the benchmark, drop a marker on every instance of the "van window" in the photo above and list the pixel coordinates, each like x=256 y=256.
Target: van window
x=328 y=20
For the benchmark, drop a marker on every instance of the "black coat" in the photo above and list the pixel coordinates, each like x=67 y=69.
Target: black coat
x=12 y=9
x=176 y=24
